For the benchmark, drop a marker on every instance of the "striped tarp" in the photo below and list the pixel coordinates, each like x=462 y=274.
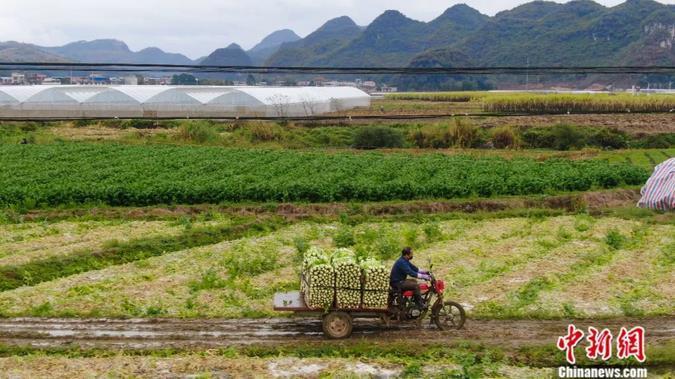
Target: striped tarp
x=659 y=191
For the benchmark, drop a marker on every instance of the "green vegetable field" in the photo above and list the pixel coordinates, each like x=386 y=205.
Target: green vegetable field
x=145 y=175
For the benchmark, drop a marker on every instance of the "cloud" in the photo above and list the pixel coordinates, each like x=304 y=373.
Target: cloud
x=197 y=27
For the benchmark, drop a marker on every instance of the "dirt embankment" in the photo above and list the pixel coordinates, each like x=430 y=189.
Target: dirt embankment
x=630 y=123
x=295 y=211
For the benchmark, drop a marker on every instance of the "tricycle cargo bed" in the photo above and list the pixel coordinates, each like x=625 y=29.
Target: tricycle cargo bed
x=295 y=302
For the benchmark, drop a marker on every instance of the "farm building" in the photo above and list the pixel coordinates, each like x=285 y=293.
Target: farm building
x=35 y=102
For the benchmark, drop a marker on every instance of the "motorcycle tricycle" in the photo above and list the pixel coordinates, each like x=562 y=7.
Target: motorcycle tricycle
x=401 y=309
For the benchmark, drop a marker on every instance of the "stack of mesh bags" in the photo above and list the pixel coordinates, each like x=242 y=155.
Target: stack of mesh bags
x=318 y=279
x=347 y=279
x=375 y=284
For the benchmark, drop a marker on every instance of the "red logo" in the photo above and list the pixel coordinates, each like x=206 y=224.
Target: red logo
x=600 y=344
x=631 y=343
x=568 y=342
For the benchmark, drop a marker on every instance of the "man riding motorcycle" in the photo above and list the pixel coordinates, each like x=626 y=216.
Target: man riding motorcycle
x=401 y=270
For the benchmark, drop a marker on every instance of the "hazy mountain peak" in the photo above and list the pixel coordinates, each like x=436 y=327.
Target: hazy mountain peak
x=458 y=11
x=316 y=45
x=648 y=5
x=154 y=54
x=391 y=15
x=583 y=4
x=336 y=24
x=275 y=39
x=460 y=15
x=271 y=44
x=391 y=19
x=339 y=27
x=105 y=43
x=151 y=49
x=232 y=55
x=532 y=10
x=12 y=51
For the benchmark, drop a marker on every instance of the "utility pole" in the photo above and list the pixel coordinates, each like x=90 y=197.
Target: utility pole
x=527 y=75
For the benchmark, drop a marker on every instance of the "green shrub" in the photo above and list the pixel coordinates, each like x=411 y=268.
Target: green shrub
x=155 y=310
x=410 y=236
x=82 y=123
x=655 y=141
x=344 y=236
x=465 y=134
x=209 y=280
x=326 y=136
x=609 y=138
x=139 y=124
x=504 y=137
x=42 y=310
x=538 y=138
x=558 y=137
x=432 y=136
x=197 y=132
x=264 y=132
x=614 y=239
x=432 y=232
x=29 y=126
x=567 y=137
x=375 y=137
x=442 y=136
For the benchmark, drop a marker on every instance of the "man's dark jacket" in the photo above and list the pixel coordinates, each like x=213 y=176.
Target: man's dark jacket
x=401 y=270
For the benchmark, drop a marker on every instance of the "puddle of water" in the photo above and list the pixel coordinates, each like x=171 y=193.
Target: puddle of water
x=376 y=371
x=291 y=368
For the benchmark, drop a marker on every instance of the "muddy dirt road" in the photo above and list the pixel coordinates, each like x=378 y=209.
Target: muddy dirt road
x=203 y=334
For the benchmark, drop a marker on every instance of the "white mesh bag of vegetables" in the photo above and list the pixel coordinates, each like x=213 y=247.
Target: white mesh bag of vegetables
x=347 y=279
x=375 y=284
x=318 y=279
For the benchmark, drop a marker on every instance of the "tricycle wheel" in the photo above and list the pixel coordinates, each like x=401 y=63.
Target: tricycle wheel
x=448 y=315
x=386 y=320
x=337 y=325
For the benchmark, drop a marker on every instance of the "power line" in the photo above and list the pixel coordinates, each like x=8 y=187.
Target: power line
x=497 y=70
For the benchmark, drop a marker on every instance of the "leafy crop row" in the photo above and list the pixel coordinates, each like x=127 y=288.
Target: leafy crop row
x=144 y=175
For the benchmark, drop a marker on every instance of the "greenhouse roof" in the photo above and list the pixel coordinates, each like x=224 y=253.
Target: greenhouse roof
x=175 y=101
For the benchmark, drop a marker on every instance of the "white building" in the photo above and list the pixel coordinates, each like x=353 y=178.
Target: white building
x=51 y=82
x=18 y=78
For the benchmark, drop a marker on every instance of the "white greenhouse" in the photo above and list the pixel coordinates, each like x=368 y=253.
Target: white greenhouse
x=36 y=102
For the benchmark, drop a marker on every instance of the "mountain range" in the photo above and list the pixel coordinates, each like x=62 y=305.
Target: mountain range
x=539 y=33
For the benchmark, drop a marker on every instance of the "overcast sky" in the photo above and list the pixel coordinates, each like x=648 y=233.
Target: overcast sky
x=197 y=27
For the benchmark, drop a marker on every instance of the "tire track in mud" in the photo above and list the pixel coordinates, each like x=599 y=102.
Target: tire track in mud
x=214 y=333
